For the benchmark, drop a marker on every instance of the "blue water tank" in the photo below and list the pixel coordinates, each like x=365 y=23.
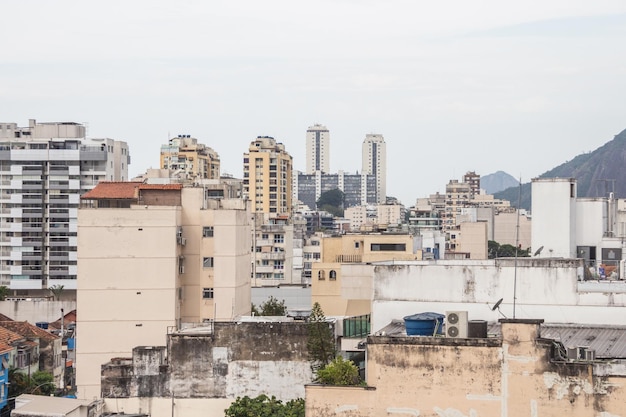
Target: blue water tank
x=423 y=324
x=42 y=325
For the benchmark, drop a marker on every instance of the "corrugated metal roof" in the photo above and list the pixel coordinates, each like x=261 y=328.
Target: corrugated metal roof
x=609 y=342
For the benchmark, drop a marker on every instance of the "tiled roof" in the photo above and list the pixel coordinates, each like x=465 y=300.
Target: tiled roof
x=8 y=337
x=124 y=190
x=67 y=319
x=5 y=318
x=27 y=330
x=4 y=348
x=113 y=190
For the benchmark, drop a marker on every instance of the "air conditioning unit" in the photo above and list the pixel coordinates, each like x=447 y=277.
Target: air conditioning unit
x=456 y=324
x=182 y=241
x=590 y=355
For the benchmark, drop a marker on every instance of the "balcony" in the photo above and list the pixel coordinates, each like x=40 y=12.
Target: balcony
x=348 y=259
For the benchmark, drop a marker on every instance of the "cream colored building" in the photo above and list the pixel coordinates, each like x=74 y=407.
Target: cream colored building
x=317 y=149
x=267 y=176
x=183 y=154
x=519 y=374
x=150 y=262
x=473 y=240
x=326 y=282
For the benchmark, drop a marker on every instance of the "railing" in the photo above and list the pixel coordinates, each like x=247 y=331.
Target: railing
x=358 y=326
x=345 y=259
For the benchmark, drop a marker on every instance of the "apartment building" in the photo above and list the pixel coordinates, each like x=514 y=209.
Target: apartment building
x=327 y=286
x=358 y=189
x=374 y=162
x=317 y=149
x=44 y=168
x=277 y=258
x=152 y=258
x=183 y=154
x=267 y=176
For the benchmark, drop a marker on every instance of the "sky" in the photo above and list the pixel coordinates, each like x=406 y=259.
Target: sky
x=452 y=86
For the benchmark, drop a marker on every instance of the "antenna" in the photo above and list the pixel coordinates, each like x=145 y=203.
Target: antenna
x=519 y=201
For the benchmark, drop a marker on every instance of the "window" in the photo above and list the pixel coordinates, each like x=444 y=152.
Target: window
x=207 y=231
x=388 y=247
x=356 y=245
x=207 y=262
x=333 y=275
x=207 y=293
x=279 y=238
x=321 y=276
x=265 y=236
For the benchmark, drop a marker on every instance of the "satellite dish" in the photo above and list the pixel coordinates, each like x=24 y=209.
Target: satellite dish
x=496 y=305
x=538 y=251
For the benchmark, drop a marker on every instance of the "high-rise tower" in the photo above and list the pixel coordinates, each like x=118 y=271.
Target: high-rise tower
x=44 y=169
x=184 y=154
x=375 y=163
x=317 y=149
x=267 y=176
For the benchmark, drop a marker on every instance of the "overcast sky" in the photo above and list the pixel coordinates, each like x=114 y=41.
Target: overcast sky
x=452 y=86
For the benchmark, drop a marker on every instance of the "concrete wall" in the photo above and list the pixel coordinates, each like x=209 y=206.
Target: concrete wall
x=223 y=362
x=36 y=310
x=517 y=375
x=544 y=288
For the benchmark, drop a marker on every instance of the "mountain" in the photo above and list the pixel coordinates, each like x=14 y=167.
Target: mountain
x=597 y=173
x=497 y=181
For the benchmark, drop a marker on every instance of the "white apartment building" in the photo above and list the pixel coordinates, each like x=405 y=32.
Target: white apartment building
x=155 y=258
x=44 y=168
x=374 y=159
x=317 y=149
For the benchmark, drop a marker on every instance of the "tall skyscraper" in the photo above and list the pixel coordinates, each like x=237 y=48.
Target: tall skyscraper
x=317 y=149
x=375 y=163
x=267 y=176
x=44 y=169
x=184 y=154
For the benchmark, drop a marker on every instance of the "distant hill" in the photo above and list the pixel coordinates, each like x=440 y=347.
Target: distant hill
x=597 y=173
x=497 y=181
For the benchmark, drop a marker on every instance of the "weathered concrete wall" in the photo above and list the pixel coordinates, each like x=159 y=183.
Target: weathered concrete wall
x=36 y=311
x=544 y=289
x=241 y=359
x=234 y=359
x=168 y=407
x=509 y=377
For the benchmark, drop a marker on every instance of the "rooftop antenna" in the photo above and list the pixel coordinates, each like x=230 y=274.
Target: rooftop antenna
x=496 y=306
x=519 y=200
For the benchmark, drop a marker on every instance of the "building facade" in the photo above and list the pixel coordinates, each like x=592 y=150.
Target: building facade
x=155 y=257
x=267 y=176
x=374 y=162
x=358 y=189
x=44 y=168
x=183 y=154
x=317 y=149
x=520 y=373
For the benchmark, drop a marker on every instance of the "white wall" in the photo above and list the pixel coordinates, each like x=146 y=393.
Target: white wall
x=554 y=217
x=36 y=311
x=546 y=289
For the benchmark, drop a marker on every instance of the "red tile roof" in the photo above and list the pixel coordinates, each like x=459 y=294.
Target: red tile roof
x=27 y=330
x=8 y=337
x=113 y=190
x=126 y=190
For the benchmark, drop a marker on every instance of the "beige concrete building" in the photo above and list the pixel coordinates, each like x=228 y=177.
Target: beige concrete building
x=326 y=282
x=317 y=149
x=516 y=375
x=374 y=162
x=473 y=240
x=183 y=154
x=267 y=176
x=149 y=261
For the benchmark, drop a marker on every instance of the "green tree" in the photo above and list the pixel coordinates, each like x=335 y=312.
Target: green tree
x=56 y=291
x=4 y=292
x=332 y=202
x=264 y=406
x=321 y=340
x=339 y=372
x=254 y=311
x=273 y=307
x=495 y=250
x=39 y=383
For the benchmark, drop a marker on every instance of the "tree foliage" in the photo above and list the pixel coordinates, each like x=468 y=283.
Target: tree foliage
x=4 y=292
x=272 y=307
x=321 y=340
x=264 y=406
x=39 y=383
x=332 y=202
x=339 y=372
x=496 y=250
x=56 y=291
